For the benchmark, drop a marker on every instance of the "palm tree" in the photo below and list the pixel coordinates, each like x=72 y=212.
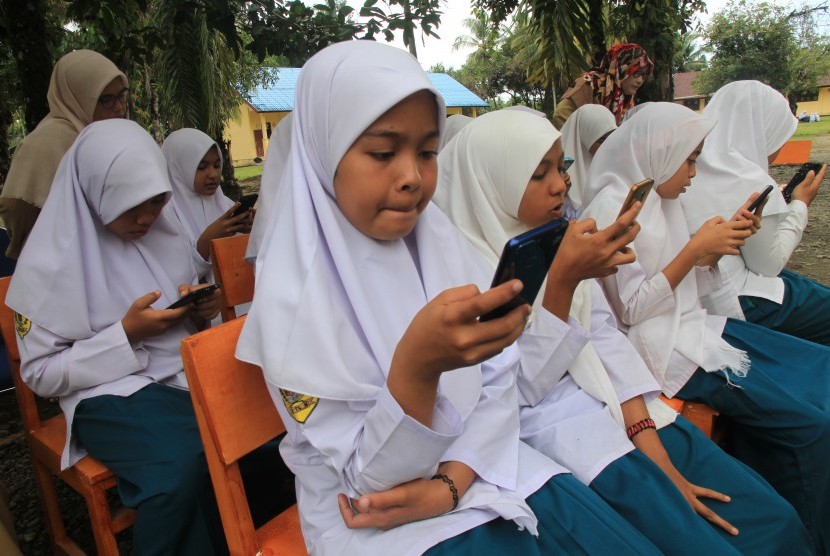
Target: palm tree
x=690 y=55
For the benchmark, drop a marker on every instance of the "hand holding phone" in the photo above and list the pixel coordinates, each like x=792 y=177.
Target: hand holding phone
x=246 y=203
x=799 y=176
x=760 y=199
x=638 y=192
x=527 y=257
x=194 y=296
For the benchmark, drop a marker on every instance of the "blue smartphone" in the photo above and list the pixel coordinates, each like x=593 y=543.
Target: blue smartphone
x=527 y=257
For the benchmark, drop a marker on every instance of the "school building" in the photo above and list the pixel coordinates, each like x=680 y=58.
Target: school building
x=251 y=129
x=817 y=101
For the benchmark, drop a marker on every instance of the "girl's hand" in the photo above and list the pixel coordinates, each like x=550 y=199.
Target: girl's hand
x=224 y=226
x=142 y=321
x=807 y=190
x=586 y=252
x=693 y=494
x=755 y=217
x=446 y=335
x=412 y=501
x=205 y=309
x=721 y=237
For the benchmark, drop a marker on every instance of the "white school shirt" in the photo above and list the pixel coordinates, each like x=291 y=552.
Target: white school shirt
x=653 y=296
x=556 y=413
x=362 y=447
x=105 y=364
x=755 y=272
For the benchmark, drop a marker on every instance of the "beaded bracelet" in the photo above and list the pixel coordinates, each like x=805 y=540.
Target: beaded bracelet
x=450 y=484
x=639 y=427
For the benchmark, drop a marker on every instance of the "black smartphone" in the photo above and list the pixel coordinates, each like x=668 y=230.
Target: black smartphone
x=247 y=203
x=757 y=202
x=194 y=296
x=799 y=176
x=527 y=257
x=638 y=192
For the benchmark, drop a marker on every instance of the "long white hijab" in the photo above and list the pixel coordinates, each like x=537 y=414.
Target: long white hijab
x=584 y=128
x=272 y=172
x=754 y=121
x=654 y=144
x=484 y=173
x=77 y=278
x=331 y=303
x=184 y=150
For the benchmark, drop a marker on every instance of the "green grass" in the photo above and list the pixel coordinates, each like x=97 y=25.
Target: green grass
x=807 y=130
x=248 y=172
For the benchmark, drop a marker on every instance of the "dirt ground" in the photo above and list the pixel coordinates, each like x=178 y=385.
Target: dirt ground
x=811 y=257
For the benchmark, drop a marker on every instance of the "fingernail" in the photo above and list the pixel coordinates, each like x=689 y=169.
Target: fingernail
x=517 y=286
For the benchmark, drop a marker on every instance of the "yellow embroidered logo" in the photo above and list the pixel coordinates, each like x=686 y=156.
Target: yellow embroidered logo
x=298 y=405
x=22 y=324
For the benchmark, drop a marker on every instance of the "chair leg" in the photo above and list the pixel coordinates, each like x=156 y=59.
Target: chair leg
x=100 y=517
x=61 y=543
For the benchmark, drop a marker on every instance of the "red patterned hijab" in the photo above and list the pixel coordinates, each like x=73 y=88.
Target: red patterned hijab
x=621 y=61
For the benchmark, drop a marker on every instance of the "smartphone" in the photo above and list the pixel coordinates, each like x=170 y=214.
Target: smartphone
x=527 y=257
x=248 y=202
x=799 y=176
x=194 y=296
x=638 y=192
x=764 y=194
x=567 y=164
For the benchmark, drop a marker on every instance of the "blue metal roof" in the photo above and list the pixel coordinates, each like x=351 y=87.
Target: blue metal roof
x=279 y=97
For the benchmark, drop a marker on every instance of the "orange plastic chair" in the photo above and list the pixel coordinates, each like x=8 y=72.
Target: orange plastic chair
x=89 y=477
x=232 y=272
x=702 y=416
x=236 y=415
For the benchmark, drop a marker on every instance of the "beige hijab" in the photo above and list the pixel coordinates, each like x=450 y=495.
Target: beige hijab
x=77 y=81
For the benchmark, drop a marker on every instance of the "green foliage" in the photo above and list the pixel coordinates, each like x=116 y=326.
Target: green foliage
x=812 y=129
x=689 y=56
x=749 y=41
x=425 y=14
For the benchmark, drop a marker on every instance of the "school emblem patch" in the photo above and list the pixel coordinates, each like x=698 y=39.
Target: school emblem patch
x=299 y=406
x=22 y=325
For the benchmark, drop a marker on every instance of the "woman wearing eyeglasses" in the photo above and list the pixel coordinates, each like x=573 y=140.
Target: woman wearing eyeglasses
x=85 y=87
x=613 y=84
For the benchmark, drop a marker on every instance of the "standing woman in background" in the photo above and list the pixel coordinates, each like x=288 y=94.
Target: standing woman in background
x=623 y=70
x=85 y=87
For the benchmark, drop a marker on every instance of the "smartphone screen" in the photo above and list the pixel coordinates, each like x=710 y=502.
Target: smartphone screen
x=528 y=258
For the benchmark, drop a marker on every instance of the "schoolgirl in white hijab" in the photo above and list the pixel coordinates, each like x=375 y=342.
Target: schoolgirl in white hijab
x=107 y=254
x=194 y=163
x=272 y=171
x=582 y=135
x=754 y=122
x=748 y=373
x=344 y=308
x=485 y=175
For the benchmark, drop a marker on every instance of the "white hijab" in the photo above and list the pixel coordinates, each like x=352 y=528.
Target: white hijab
x=184 y=150
x=584 y=128
x=754 y=121
x=654 y=144
x=78 y=278
x=452 y=126
x=483 y=176
x=272 y=172
x=331 y=304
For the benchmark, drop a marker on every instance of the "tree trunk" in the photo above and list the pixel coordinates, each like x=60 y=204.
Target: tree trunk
x=153 y=106
x=230 y=185
x=28 y=42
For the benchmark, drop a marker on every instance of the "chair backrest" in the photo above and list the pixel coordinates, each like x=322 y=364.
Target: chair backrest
x=233 y=272
x=25 y=397
x=236 y=415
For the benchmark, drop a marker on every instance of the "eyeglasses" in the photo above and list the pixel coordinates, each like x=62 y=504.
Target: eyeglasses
x=110 y=100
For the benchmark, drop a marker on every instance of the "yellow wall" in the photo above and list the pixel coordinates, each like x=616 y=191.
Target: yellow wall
x=820 y=106
x=240 y=131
